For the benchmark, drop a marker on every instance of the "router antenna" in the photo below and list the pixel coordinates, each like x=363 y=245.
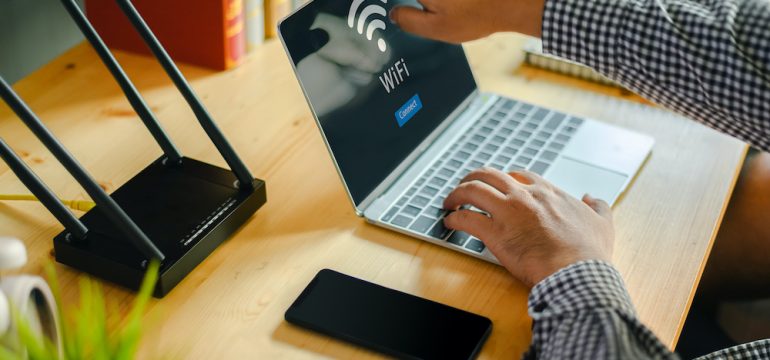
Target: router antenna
x=134 y=98
x=104 y=202
x=217 y=137
x=42 y=192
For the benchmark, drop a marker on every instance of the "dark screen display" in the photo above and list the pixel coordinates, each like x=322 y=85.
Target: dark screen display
x=386 y=320
x=376 y=90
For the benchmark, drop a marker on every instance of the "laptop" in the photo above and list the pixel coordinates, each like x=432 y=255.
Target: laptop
x=404 y=122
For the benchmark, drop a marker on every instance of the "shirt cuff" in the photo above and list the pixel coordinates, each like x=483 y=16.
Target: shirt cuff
x=584 y=31
x=588 y=284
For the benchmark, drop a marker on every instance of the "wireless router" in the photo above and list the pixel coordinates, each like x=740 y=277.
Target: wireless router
x=177 y=210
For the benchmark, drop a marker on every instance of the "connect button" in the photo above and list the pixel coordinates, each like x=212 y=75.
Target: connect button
x=408 y=110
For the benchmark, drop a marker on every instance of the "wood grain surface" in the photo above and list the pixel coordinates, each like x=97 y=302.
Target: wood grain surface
x=232 y=305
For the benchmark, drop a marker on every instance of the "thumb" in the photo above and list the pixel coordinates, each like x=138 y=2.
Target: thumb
x=416 y=21
x=600 y=206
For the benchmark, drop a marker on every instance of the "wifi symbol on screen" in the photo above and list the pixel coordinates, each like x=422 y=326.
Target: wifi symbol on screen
x=366 y=13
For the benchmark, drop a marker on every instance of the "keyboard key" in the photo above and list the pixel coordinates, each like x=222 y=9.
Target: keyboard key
x=530 y=126
x=464 y=172
x=539 y=167
x=434 y=211
x=525 y=108
x=429 y=173
x=523 y=160
x=502 y=159
x=517 y=143
x=448 y=173
x=515 y=167
x=523 y=134
x=483 y=156
x=389 y=215
x=513 y=124
x=422 y=225
x=454 y=164
x=530 y=151
x=475 y=245
x=498 y=139
x=420 y=201
x=478 y=139
x=497 y=166
x=462 y=155
x=537 y=143
x=411 y=191
x=429 y=190
x=569 y=130
x=500 y=115
x=505 y=131
x=548 y=155
x=540 y=114
x=439 y=231
x=509 y=151
x=401 y=221
x=411 y=210
x=508 y=104
x=485 y=130
x=402 y=201
x=420 y=181
x=556 y=146
x=476 y=164
x=439 y=182
x=470 y=146
x=458 y=238
x=493 y=122
x=491 y=147
x=575 y=121
x=554 y=121
x=562 y=138
x=544 y=135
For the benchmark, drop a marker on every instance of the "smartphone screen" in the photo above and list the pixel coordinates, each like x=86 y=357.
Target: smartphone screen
x=386 y=320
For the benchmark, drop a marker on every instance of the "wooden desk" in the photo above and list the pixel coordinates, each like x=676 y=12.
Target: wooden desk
x=232 y=305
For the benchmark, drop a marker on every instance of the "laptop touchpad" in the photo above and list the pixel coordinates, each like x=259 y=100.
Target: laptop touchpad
x=578 y=178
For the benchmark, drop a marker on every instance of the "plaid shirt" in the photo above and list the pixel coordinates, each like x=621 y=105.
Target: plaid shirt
x=583 y=312
x=707 y=59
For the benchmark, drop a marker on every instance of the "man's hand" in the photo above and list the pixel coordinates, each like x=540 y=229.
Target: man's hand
x=457 y=21
x=533 y=228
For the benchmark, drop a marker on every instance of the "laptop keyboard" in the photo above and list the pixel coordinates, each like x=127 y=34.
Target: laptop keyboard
x=510 y=136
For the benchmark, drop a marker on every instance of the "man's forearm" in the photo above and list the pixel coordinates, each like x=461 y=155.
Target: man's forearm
x=583 y=312
x=709 y=60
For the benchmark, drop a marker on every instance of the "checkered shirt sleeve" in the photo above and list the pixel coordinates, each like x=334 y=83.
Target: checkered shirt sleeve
x=584 y=312
x=706 y=59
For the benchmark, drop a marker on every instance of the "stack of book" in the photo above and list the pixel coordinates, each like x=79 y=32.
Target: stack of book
x=215 y=34
x=205 y=33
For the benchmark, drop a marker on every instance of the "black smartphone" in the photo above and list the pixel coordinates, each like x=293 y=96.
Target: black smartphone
x=388 y=321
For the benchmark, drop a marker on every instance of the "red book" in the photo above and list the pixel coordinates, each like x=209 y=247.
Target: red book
x=208 y=33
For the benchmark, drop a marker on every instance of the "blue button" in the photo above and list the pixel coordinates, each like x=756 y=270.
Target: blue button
x=408 y=110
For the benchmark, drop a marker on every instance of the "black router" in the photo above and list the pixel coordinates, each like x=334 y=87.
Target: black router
x=177 y=210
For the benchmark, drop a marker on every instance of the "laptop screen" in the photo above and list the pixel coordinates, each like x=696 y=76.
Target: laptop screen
x=377 y=91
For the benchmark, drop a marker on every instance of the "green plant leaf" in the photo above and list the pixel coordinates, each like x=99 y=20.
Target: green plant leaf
x=88 y=330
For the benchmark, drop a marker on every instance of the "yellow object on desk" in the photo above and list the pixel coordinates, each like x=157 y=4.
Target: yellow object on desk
x=81 y=205
x=232 y=304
